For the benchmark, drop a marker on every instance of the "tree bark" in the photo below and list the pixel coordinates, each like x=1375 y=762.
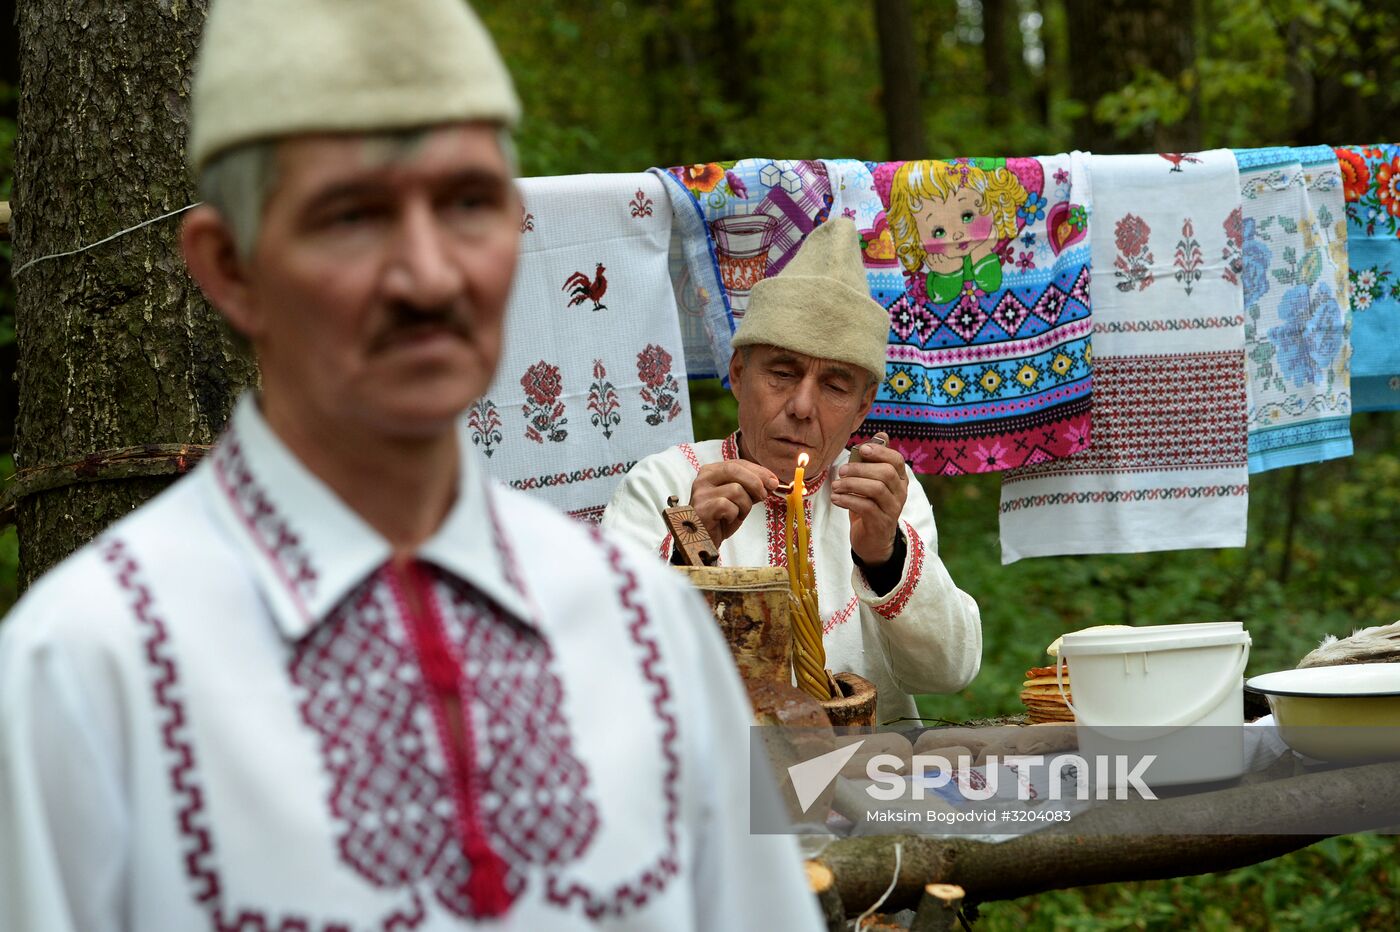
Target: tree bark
x=1113 y=41
x=117 y=348
x=902 y=95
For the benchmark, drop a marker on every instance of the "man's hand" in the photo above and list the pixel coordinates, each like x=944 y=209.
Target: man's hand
x=723 y=493
x=873 y=491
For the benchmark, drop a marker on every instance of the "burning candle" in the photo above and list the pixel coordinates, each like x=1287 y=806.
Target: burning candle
x=799 y=491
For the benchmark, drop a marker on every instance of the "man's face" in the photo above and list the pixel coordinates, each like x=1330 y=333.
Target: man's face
x=377 y=288
x=790 y=403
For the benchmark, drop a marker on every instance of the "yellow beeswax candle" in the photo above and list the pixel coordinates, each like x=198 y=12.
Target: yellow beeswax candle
x=789 y=542
x=799 y=491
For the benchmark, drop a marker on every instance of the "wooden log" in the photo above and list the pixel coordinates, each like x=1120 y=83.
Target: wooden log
x=856 y=704
x=938 y=910
x=823 y=885
x=752 y=607
x=1123 y=841
x=4 y=219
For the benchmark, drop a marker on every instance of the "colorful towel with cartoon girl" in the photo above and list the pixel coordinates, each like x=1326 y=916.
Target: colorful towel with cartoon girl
x=1291 y=246
x=984 y=267
x=1168 y=466
x=739 y=222
x=1371 y=176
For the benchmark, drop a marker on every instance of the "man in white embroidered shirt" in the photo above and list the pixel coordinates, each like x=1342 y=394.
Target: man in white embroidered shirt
x=336 y=679
x=810 y=352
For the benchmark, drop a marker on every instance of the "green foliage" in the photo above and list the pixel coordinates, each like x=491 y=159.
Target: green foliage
x=1340 y=883
x=1149 y=99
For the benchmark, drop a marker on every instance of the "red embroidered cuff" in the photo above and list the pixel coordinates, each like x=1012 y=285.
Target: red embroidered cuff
x=896 y=601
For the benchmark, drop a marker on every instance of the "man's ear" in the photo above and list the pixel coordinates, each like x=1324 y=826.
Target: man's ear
x=869 y=400
x=211 y=255
x=736 y=371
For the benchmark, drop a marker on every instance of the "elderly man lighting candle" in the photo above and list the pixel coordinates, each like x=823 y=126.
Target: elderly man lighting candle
x=335 y=678
x=809 y=354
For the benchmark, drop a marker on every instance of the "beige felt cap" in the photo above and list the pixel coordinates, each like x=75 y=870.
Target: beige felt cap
x=818 y=304
x=270 y=68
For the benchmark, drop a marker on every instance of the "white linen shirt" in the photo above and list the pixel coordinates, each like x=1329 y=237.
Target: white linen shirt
x=923 y=636
x=221 y=714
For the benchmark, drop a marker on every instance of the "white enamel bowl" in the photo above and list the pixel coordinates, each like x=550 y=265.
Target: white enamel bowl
x=1345 y=714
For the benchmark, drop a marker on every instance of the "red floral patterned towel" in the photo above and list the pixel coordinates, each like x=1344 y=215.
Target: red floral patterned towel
x=593 y=376
x=1167 y=468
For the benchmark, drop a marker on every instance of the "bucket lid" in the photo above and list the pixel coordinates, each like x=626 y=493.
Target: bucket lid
x=1154 y=638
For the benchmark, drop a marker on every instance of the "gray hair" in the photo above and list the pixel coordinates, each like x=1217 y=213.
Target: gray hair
x=238 y=183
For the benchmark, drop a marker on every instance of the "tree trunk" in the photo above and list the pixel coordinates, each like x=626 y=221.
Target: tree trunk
x=1111 y=43
x=996 y=62
x=902 y=96
x=117 y=348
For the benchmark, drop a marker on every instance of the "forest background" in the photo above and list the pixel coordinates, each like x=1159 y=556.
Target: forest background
x=621 y=86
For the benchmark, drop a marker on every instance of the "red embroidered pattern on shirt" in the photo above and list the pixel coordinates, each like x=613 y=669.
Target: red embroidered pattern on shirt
x=186 y=787
x=688 y=451
x=1156 y=413
x=653 y=879
x=265 y=524
x=840 y=617
x=776 y=508
x=901 y=595
x=392 y=800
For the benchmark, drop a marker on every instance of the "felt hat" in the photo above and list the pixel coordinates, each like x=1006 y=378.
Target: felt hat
x=270 y=68
x=818 y=304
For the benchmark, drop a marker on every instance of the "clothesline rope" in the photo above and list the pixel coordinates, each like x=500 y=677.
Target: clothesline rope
x=117 y=235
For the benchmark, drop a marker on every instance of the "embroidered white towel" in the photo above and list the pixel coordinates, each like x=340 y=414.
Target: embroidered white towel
x=1166 y=469
x=593 y=376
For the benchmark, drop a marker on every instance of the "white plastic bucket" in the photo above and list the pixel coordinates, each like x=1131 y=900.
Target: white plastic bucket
x=1142 y=690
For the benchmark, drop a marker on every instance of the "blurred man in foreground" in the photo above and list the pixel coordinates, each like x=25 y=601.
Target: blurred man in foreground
x=336 y=678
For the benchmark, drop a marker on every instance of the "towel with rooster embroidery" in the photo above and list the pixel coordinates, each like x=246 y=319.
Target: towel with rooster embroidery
x=592 y=377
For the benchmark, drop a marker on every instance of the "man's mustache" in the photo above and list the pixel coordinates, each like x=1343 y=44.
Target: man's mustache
x=405 y=320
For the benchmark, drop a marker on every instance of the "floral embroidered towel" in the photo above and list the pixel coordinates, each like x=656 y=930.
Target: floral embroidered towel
x=984 y=267
x=1292 y=244
x=592 y=377
x=1167 y=468
x=1372 y=182
x=747 y=218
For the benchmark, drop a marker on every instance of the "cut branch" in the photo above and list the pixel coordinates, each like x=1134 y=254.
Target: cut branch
x=1138 y=840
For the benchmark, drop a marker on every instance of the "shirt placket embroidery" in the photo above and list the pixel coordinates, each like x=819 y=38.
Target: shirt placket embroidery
x=449 y=696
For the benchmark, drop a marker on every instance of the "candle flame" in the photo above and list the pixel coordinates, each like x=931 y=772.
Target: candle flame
x=802 y=460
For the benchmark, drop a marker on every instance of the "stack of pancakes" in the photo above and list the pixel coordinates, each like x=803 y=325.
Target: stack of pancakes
x=1041 y=696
